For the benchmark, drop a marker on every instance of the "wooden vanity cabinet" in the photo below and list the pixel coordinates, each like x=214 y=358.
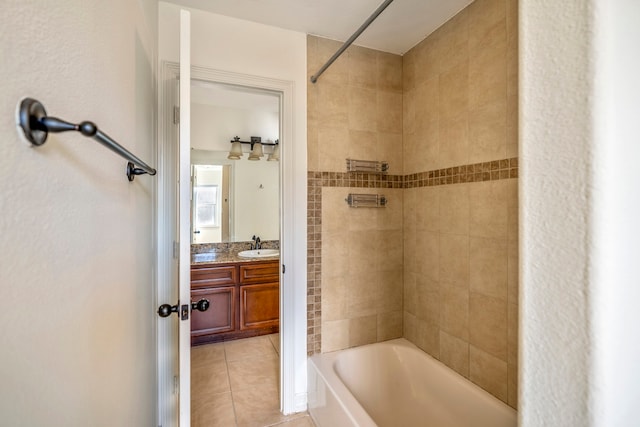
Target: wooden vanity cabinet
x=244 y=300
x=259 y=296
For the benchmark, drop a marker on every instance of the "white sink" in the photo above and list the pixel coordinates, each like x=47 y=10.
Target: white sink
x=259 y=253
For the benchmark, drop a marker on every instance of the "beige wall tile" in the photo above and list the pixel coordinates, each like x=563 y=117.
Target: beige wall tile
x=454 y=209
x=363 y=145
x=512 y=334
x=425 y=154
x=361 y=219
x=452 y=47
x=454 y=310
x=488 y=267
x=512 y=386
x=512 y=126
x=334 y=297
x=363 y=108
x=427 y=100
x=362 y=294
x=363 y=330
x=488 y=324
x=426 y=60
x=335 y=335
x=389 y=108
x=390 y=218
x=427 y=209
x=488 y=132
x=410 y=327
x=335 y=210
x=488 y=209
x=408 y=70
x=391 y=291
x=338 y=73
x=362 y=67
x=409 y=111
x=454 y=92
x=428 y=252
x=410 y=293
x=332 y=148
x=389 y=251
x=312 y=146
x=333 y=102
x=428 y=338
x=427 y=300
x=335 y=255
x=454 y=353
x=512 y=272
x=454 y=260
x=483 y=16
x=488 y=372
x=454 y=141
x=389 y=69
x=488 y=78
x=390 y=150
x=389 y=325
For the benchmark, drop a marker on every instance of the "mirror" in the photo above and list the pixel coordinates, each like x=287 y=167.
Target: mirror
x=233 y=200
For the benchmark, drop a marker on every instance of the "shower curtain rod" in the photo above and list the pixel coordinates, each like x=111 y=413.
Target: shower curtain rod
x=351 y=39
x=36 y=126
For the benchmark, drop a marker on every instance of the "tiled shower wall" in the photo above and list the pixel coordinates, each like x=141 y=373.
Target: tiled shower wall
x=355 y=255
x=442 y=269
x=461 y=239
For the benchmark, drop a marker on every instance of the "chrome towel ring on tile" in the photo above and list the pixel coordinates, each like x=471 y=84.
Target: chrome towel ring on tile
x=36 y=125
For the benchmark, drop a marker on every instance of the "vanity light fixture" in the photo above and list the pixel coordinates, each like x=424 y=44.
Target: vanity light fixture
x=256 y=149
x=275 y=154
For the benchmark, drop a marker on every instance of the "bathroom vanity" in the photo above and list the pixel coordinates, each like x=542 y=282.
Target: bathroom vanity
x=244 y=298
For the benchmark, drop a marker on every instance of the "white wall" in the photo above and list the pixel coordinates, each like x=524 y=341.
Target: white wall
x=244 y=47
x=212 y=128
x=579 y=213
x=76 y=238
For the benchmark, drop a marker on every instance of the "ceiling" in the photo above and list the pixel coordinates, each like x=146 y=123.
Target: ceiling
x=402 y=25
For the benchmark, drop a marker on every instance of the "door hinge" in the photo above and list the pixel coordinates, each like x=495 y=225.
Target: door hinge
x=176 y=385
x=176 y=115
x=176 y=249
x=283 y=268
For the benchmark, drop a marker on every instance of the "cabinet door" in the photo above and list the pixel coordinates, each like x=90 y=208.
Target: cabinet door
x=259 y=306
x=221 y=315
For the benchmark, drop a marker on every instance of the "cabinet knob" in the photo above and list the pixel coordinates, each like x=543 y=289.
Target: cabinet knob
x=202 y=305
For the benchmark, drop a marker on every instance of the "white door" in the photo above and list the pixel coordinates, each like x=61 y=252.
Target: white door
x=173 y=261
x=184 y=215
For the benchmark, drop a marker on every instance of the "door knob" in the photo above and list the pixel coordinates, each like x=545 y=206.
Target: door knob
x=165 y=310
x=202 y=305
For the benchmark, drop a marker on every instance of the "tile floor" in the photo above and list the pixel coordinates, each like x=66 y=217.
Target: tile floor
x=236 y=384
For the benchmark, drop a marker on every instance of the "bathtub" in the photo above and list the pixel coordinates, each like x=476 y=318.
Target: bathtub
x=395 y=384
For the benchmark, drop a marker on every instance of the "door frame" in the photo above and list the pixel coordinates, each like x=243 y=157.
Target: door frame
x=167 y=183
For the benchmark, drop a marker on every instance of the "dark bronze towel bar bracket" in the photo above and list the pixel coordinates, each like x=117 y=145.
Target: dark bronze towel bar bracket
x=36 y=125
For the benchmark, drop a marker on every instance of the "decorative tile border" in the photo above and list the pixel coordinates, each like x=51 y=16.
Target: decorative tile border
x=478 y=172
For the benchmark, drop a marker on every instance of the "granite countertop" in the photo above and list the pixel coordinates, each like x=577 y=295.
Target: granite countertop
x=224 y=257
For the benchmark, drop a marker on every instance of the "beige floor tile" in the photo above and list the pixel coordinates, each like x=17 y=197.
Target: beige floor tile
x=210 y=378
x=304 y=421
x=275 y=341
x=216 y=410
x=206 y=354
x=257 y=406
x=249 y=373
x=248 y=348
